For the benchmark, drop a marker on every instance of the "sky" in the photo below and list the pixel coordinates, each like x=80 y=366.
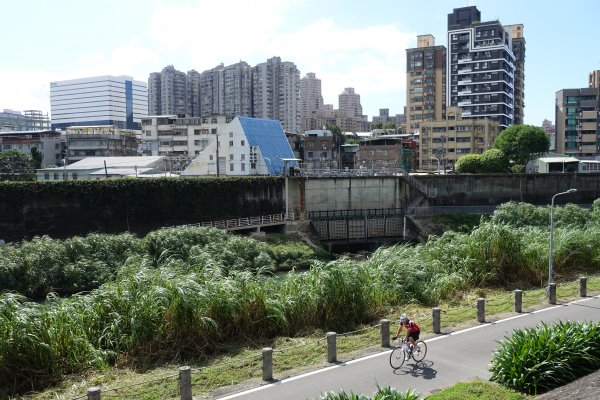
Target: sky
x=346 y=43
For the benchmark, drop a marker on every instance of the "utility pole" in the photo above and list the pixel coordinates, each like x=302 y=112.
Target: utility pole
x=217 y=154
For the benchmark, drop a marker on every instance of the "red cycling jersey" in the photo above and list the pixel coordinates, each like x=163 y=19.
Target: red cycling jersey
x=412 y=326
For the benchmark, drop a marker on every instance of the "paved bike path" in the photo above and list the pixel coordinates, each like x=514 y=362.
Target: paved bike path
x=450 y=358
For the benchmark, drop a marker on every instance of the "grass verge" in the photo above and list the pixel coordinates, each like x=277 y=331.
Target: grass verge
x=477 y=390
x=239 y=367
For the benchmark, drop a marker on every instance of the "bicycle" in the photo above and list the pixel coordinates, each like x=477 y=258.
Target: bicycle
x=404 y=352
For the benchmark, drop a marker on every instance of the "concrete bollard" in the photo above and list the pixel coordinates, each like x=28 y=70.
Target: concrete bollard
x=267 y=364
x=384 y=330
x=583 y=286
x=185 y=383
x=436 y=313
x=552 y=293
x=518 y=301
x=481 y=310
x=331 y=347
x=93 y=393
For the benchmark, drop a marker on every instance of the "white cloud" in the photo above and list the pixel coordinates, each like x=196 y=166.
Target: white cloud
x=369 y=59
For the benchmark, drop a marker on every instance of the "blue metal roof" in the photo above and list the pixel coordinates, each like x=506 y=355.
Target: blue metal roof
x=269 y=136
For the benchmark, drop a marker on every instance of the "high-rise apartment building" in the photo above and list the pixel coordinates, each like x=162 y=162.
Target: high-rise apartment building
x=237 y=90
x=193 y=94
x=425 y=83
x=276 y=92
x=480 y=67
x=518 y=48
x=101 y=100
x=577 y=122
x=226 y=90
x=349 y=102
x=173 y=91
x=311 y=100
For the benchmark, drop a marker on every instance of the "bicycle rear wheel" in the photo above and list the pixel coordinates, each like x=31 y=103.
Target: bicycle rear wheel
x=397 y=357
x=419 y=351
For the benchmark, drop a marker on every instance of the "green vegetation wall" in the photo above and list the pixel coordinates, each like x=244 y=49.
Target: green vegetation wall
x=62 y=209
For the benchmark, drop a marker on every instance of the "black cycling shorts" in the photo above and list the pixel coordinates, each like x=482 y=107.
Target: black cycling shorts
x=415 y=335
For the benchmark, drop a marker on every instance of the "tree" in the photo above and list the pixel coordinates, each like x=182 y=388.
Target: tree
x=377 y=125
x=521 y=143
x=16 y=166
x=337 y=133
x=494 y=160
x=36 y=158
x=469 y=163
x=389 y=125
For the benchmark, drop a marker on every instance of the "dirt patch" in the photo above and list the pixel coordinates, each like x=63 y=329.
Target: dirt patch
x=587 y=388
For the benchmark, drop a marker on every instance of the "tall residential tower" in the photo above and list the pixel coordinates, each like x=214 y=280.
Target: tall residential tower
x=480 y=67
x=425 y=83
x=276 y=92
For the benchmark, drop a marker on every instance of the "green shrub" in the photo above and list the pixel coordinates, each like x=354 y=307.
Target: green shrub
x=469 y=163
x=539 y=359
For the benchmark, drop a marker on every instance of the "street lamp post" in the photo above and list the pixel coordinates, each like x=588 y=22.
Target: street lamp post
x=552 y=231
x=438 y=163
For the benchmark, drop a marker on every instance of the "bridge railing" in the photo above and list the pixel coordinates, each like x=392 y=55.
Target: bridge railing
x=233 y=223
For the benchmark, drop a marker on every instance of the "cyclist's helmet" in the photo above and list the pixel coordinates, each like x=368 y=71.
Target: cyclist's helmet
x=403 y=318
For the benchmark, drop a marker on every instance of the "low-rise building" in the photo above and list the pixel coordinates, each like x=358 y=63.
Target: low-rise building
x=442 y=142
x=105 y=167
x=99 y=141
x=247 y=146
x=387 y=153
x=48 y=142
x=321 y=149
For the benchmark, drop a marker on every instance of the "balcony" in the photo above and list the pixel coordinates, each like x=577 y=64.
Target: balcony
x=465 y=70
x=464 y=103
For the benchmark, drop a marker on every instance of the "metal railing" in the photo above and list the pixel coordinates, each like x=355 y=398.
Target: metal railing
x=429 y=192
x=330 y=172
x=248 y=222
x=345 y=214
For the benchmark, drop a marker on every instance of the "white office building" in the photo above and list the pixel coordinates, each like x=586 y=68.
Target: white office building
x=102 y=100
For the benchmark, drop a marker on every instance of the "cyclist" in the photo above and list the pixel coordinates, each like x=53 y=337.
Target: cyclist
x=412 y=330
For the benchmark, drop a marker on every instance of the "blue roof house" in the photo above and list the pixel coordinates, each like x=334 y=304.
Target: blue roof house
x=247 y=146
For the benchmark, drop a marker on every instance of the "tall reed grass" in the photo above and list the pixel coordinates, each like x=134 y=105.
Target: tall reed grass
x=184 y=292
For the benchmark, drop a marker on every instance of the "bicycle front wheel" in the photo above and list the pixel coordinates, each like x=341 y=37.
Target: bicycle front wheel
x=419 y=351
x=397 y=357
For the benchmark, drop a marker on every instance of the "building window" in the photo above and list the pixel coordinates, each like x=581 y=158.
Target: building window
x=47 y=176
x=74 y=175
x=310 y=154
x=210 y=157
x=231 y=157
x=231 y=167
x=230 y=134
x=213 y=131
x=242 y=157
x=213 y=121
x=197 y=132
x=243 y=166
x=243 y=143
x=231 y=143
x=253 y=165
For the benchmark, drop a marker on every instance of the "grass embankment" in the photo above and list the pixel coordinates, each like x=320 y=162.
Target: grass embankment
x=193 y=296
x=239 y=367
